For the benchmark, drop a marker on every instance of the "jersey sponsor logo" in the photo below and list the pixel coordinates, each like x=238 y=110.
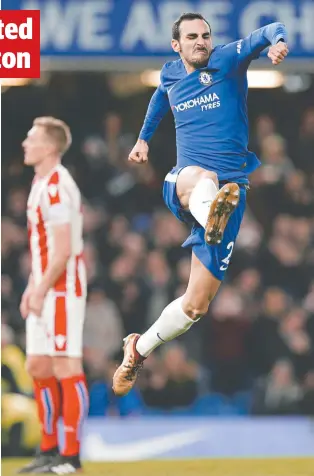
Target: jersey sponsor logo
x=239 y=46
x=205 y=78
x=207 y=101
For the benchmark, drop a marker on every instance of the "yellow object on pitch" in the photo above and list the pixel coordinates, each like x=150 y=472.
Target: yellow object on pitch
x=20 y=410
x=13 y=357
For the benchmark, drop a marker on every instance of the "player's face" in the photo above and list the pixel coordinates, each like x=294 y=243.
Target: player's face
x=37 y=146
x=195 y=43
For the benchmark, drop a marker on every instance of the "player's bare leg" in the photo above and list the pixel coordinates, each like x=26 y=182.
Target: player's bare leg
x=201 y=290
x=198 y=192
x=176 y=319
x=48 y=399
x=69 y=372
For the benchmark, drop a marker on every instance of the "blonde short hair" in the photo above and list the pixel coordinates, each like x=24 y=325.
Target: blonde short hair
x=58 y=130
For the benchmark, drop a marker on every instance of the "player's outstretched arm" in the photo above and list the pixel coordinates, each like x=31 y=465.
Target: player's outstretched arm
x=157 y=108
x=273 y=35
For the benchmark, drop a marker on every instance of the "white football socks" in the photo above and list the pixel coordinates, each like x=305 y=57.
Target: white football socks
x=172 y=323
x=201 y=199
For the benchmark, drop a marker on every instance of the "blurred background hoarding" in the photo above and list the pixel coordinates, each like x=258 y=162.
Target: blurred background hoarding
x=140 y=30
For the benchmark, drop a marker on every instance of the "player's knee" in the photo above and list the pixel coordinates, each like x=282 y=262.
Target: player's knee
x=39 y=367
x=211 y=175
x=67 y=367
x=194 y=308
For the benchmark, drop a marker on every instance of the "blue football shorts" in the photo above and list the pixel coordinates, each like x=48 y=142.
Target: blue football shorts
x=215 y=258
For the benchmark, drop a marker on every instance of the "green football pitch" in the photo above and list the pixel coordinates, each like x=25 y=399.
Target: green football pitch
x=211 y=467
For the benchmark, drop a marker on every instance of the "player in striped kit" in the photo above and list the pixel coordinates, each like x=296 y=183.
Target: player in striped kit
x=53 y=303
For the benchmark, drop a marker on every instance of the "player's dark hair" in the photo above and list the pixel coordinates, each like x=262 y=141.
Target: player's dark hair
x=183 y=17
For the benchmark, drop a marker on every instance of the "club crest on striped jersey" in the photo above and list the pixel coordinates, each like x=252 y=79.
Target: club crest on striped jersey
x=205 y=78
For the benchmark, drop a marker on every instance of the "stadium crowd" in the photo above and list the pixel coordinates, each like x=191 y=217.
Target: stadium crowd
x=254 y=351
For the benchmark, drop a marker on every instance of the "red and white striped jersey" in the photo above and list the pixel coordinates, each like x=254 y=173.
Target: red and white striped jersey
x=54 y=200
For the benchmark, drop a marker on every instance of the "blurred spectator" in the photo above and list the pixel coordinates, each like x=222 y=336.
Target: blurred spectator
x=16 y=205
x=283 y=261
x=249 y=286
x=309 y=299
x=247 y=245
x=103 y=329
x=158 y=278
x=264 y=127
x=264 y=342
x=173 y=382
x=278 y=394
x=225 y=341
x=276 y=163
x=294 y=333
x=305 y=148
x=111 y=143
x=295 y=197
x=308 y=398
x=94 y=269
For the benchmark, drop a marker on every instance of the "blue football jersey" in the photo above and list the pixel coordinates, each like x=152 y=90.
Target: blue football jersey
x=210 y=106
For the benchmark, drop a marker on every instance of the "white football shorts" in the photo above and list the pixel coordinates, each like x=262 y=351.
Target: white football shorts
x=59 y=331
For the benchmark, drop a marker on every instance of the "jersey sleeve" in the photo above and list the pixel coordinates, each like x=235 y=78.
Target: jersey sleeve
x=59 y=202
x=250 y=48
x=157 y=109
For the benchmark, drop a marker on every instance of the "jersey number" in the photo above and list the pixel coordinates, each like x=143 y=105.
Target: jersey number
x=226 y=260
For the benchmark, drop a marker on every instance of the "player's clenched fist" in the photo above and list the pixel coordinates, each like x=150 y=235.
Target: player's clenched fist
x=139 y=153
x=278 y=52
